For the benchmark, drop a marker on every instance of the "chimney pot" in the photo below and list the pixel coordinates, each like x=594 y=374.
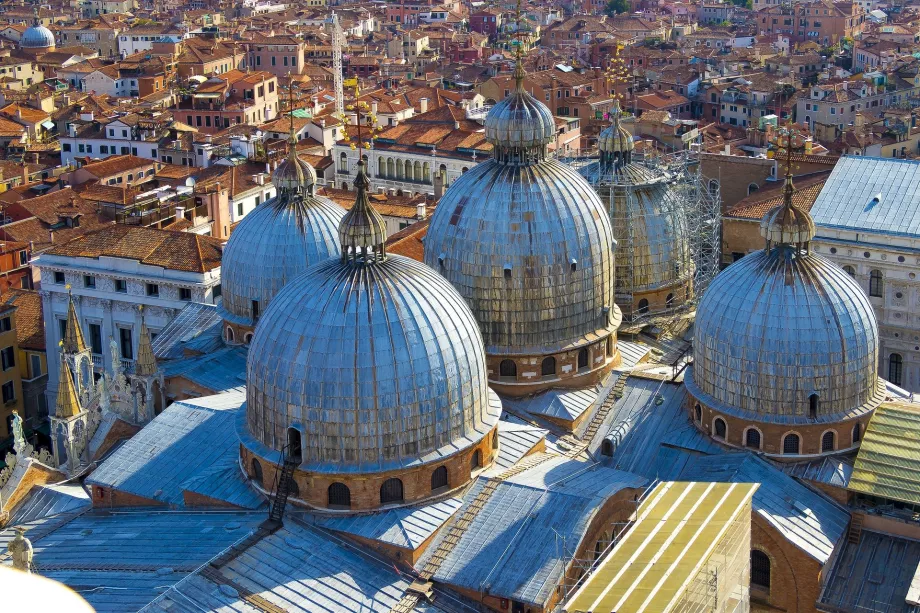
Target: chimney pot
x=423 y=105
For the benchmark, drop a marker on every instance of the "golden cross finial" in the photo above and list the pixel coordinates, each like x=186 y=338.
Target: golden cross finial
x=363 y=112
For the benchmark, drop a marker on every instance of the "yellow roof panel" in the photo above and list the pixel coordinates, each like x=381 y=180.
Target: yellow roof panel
x=677 y=527
x=888 y=463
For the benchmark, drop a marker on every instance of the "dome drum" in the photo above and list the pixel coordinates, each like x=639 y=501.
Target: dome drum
x=805 y=438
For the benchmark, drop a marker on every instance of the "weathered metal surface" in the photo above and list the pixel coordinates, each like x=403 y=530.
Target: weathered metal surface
x=380 y=364
x=223 y=370
x=48 y=501
x=778 y=326
x=888 y=463
x=196 y=324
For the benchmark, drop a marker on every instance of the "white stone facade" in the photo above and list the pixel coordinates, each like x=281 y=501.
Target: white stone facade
x=388 y=169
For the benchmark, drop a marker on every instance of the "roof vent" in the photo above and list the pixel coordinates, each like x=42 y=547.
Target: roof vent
x=876 y=199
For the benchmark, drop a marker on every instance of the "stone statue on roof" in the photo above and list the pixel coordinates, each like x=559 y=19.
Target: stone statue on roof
x=19 y=441
x=20 y=549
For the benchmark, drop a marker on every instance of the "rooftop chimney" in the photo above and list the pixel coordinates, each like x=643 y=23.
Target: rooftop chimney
x=374 y=107
x=438 y=185
x=86 y=116
x=420 y=211
x=423 y=105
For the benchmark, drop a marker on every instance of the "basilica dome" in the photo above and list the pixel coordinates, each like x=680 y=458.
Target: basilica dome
x=37 y=37
x=369 y=363
x=274 y=243
x=786 y=337
x=528 y=244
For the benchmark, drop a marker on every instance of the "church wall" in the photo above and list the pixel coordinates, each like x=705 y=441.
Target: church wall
x=739 y=236
x=658 y=298
x=795 y=577
x=119 y=431
x=179 y=388
x=106 y=498
x=734 y=173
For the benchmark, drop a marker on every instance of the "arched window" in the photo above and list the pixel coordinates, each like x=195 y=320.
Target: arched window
x=857 y=433
x=507 y=368
x=548 y=368
x=720 y=428
x=895 y=368
x=598 y=549
x=791 y=444
x=476 y=462
x=827 y=441
x=247 y=338
x=813 y=406
x=439 y=478
x=391 y=491
x=752 y=438
x=583 y=358
x=850 y=270
x=293 y=444
x=339 y=495
x=230 y=335
x=391 y=168
x=610 y=346
x=643 y=307
x=256 y=471
x=669 y=300
x=698 y=413
x=606 y=447
x=875 y=283
x=752 y=188
x=760 y=569
x=495 y=441
x=343 y=162
x=381 y=167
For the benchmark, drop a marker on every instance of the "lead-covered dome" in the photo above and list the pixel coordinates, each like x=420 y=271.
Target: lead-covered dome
x=273 y=244
x=37 y=37
x=294 y=173
x=375 y=359
x=784 y=335
x=520 y=120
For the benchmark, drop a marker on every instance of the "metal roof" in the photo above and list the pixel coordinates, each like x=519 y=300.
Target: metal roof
x=874 y=574
x=48 y=501
x=294 y=569
x=194 y=320
x=888 y=462
x=221 y=371
x=560 y=404
x=646 y=572
x=515 y=441
x=187 y=440
x=808 y=520
x=834 y=470
x=406 y=527
x=848 y=199
x=512 y=547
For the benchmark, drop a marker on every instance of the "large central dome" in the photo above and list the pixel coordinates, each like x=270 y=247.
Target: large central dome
x=528 y=244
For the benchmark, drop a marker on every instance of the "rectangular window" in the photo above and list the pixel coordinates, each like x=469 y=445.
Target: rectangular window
x=95 y=338
x=6 y=324
x=89 y=281
x=121 y=286
x=185 y=294
x=62 y=328
x=285 y=60
x=59 y=278
x=127 y=347
x=273 y=60
x=23 y=258
x=153 y=290
x=81 y=148
x=217 y=291
x=258 y=200
x=124 y=133
x=36 y=362
x=9 y=392
x=103 y=148
x=207 y=121
x=239 y=208
x=66 y=147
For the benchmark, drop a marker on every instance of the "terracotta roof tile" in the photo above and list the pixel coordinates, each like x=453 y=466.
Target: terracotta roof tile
x=30 y=321
x=759 y=203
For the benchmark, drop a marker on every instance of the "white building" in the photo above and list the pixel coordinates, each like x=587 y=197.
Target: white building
x=142 y=39
x=124 y=135
x=114 y=271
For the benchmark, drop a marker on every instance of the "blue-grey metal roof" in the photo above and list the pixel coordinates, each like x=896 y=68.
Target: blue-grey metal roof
x=221 y=371
x=631 y=354
x=183 y=443
x=515 y=441
x=833 y=470
x=48 y=501
x=407 y=527
x=804 y=517
x=848 y=199
x=294 y=569
x=518 y=544
x=194 y=321
x=874 y=574
x=120 y=561
x=560 y=404
x=224 y=482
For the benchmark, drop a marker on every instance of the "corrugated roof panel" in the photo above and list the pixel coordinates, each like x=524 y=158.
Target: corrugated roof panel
x=192 y=321
x=48 y=501
x=888 y=462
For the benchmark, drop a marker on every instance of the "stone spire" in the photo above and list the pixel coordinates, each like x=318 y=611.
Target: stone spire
x=68 y=403
x=146 y=363
x=363 y=231
x=73 y=337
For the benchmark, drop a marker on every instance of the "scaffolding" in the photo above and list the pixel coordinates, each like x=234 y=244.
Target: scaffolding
x=667 y=223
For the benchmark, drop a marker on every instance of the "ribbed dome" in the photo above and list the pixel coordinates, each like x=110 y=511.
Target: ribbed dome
x=787 y=223
x=273 y=244
x=293 y=173
x=615 y=138
x=529 y=246
x=519 y=121
x=778 y=326
x=380 y=364
x=36 y=37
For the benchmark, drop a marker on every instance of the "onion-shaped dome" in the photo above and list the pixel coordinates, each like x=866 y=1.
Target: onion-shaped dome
x=519 y=124
x=293 y=173
x=375 y=358
x=528 y=244
x=787 y=224
x=615 y=138
x=783 y=325
x=37 y=37
x=273 y=244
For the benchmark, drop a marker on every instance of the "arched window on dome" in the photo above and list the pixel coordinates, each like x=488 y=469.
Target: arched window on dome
x=752 y=438
x=609 y=344
x=439 y=478
x=895 y=368
x=876 y=285
x=293 y=488
x=850 y=270
x=760 y=569
x=476 y=461
x=669 y=300
x=583 y=358
x=339 y=496
x=230 y=336
x=719 y=428
x=247 y=338
x=698 y=413
x=791 y=444
x=507 y=369
x=391 y=491
x=607 y=447
x=857 y=433
x=752 y=188
x=643 y=307
x=256 y=471
x=598 y=550
x=294 y=449
x=495 y=440
x=827 y=441
x=548 y=367
x=813 y=406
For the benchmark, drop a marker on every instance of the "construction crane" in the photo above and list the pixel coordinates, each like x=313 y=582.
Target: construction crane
x=338 y=41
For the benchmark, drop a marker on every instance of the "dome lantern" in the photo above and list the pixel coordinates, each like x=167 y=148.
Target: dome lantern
x=615 y=143
x=363 y=231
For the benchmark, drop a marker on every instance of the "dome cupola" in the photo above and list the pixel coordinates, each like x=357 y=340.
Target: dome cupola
x=615 y=143
x=369 y=369
x=37 y=38
x=785 y=350
x=294 y=174
x=528 y=244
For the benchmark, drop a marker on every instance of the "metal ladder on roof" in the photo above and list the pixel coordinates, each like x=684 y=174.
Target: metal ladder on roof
x=598 y=420
x=283 y=483
x=854 y=532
